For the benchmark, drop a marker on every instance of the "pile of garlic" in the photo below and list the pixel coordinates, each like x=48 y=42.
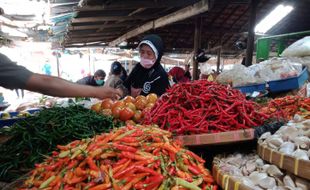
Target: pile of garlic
x=292 y=139
x=253 y=172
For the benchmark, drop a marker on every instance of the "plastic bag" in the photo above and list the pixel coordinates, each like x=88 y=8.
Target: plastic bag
x=205 y=68
x=299 y=48
x=238 y=76
x=276 y=69
x=305 y=61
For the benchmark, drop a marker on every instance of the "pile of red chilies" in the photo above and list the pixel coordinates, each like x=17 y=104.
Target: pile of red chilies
x=204 y=107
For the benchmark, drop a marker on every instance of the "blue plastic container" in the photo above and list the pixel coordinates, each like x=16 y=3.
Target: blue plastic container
x=10 y=122
x=252 y=88
x=289 y=83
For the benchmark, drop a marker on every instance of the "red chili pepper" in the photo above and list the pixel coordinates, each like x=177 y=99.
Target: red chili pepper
x=171 y=171
x=195 y=156
x=193 y=170
x=124 y=148
x=92 y=165
x=130 y=169
x=121 y=161
x=129 y=139
x=133 y=156
x=147 y=170
x=72 y=164
x=189 y=108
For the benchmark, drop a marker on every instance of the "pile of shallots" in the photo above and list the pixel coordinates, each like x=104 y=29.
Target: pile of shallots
x=253 y=172
x=291 y=139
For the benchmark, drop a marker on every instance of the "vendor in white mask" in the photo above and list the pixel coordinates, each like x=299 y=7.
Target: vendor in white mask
x=148 y=76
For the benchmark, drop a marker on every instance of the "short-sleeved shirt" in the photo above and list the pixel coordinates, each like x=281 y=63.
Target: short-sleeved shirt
x=12 y=76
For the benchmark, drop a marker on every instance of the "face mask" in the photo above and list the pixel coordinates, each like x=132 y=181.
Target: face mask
x=146 y=63
x=100 y=82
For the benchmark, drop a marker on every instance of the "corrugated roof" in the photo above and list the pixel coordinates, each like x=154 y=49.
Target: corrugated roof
x=225 y=22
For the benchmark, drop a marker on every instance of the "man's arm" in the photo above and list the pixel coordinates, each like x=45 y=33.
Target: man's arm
x=54 y=86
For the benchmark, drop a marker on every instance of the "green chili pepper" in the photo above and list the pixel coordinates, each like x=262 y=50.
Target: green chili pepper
x=186 y=184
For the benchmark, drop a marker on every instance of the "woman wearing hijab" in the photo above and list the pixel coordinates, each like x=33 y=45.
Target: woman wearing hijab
x=148 y=76
x=178 y=75
x=114 y=80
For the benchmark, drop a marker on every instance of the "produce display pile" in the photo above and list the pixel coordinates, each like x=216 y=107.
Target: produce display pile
x=254 y=173
x=204 y=107
x=291 y=139
x=36 y=136
x=21 y=114
x=131 y=157
x=128 y=109
x=288 y=106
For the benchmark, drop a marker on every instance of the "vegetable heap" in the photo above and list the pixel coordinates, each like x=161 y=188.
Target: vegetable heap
x=129 y=109
x=287 y=107
x=131 y=157
x=36 y=136
x=204 y=107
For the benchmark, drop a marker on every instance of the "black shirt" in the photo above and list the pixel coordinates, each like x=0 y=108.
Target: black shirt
x=89 y=80
x=154 y=80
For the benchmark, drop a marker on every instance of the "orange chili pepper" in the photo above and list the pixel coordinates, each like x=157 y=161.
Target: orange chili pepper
x=91 y=164
x=101 y=186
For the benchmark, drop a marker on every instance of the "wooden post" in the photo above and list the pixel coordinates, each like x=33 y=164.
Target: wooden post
x=251 y=34
x=218 y=60
x=196 y=47
x=57 y=61
x=130 y=66
x=89 y=67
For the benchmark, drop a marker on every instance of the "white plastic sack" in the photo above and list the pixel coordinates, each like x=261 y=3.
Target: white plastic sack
x=205 y=68
x=238 y=76
x=305 y=61
x=276 y=69
x=299 y=48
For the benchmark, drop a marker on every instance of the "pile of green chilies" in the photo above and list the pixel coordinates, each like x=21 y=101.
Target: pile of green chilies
x=35 y=137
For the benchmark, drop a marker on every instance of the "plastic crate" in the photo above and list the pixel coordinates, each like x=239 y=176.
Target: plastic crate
x=289 y=83
x=11 y=121
x=252 y=88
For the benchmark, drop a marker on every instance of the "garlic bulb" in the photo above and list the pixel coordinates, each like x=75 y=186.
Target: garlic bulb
x=255 y=177
x=247 y=182
x=273 y=170
x=287 y=180
x=300 y=154
x=303 y=142
x=267 y=182
x=265 y=135
x=265 y=167
x=278 y=188
x=287 y=148
x=274 y=142
x=259 y=163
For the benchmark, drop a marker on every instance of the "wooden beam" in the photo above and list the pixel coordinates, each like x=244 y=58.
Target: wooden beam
x=86 y=32
x=181 y=14
x=97 y=26
x=136 y=4
x=111 y=34
x=111 y=18
x=87 y=40
x=136 y=11
x=76 y=45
